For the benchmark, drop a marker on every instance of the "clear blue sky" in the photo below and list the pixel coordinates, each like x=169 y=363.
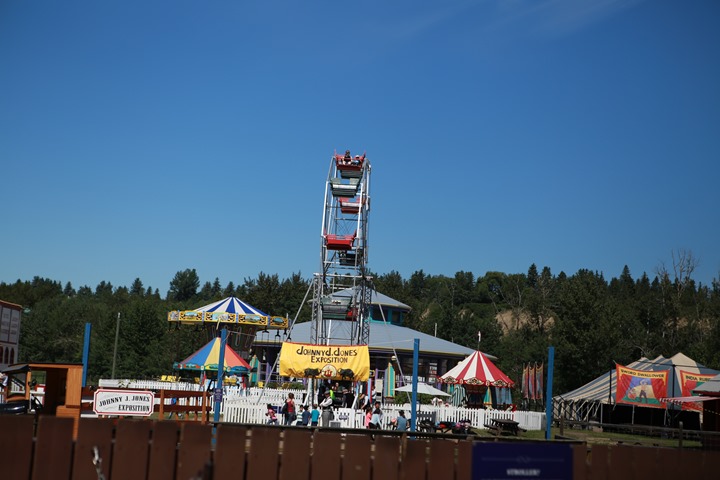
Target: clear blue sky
x=141 y=138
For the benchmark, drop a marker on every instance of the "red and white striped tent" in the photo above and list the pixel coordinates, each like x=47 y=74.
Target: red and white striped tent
x=477 y=369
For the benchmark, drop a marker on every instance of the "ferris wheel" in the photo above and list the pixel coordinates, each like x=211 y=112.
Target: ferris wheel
x=341 y=288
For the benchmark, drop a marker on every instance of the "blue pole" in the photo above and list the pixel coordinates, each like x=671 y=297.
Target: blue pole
x=220 y=374
x=86 y=353
x=548 y=394
x=413 y=408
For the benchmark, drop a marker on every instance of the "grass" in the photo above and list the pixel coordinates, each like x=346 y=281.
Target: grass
x=603 y=438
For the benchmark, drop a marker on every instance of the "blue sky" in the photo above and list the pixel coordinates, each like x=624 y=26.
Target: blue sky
x=141 y=138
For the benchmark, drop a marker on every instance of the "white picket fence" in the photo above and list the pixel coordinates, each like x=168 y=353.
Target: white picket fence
x=258 y=397
x=249 y=405
x=245 y=411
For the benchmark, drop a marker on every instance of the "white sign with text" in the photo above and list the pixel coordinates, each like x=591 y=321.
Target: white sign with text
x=124 y=402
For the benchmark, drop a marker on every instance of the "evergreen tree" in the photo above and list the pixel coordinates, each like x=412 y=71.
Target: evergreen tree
x=591 y=322
x=137 y=288
x=184 y=286
x=69 y=291
x=229 y=290
x=216 y=289
x=206 y=294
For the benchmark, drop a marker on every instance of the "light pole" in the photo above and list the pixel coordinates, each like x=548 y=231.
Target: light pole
x=117 y=334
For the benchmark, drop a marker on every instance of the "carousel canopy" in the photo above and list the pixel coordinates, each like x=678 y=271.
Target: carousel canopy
x=208 y=357
x=477 y=369
x=229 y=312
x=231 y=305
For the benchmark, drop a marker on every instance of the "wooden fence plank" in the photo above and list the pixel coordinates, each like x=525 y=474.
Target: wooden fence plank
x=93 y=433
x=194 y=450
x=163 y=451
x=580 y=455
x=53 y=448
x=463 y=467
x=132 y=449
x=295 y=461
x=305 y=454
x=645 y=462
x=598 y=466
x=622 y=465
x=712 y=460
x=669 y=463
x=414 y=460
x=325 y=456
x=16 y=443
x=262 y=460
x=386 y=464
x=357 y=461
x=692 y=463
x=230 y=457
x=441 y=464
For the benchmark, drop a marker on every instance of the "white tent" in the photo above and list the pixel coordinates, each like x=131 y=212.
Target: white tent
x=586 y=400
x=423 y=388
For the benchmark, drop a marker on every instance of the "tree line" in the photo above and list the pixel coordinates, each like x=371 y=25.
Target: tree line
x=591 y=322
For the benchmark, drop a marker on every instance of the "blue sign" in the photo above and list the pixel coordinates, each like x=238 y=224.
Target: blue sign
x=522 y=461
x=218 y=394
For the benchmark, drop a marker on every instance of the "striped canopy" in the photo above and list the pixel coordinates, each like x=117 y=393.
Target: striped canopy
x=231 y=305
x=603 y=389
x=208 y=357
x=477 y=369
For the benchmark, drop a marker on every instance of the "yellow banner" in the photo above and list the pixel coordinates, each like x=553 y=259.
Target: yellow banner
x=662 y=375
x=331 y=362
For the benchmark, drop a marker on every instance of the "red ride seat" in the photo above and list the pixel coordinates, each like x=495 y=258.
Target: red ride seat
x=339 y=242
x=349 y=205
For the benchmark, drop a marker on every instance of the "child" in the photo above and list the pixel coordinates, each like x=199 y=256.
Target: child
x=368 y=416
x=314 y=416
x=305 y=418
x=272 y=417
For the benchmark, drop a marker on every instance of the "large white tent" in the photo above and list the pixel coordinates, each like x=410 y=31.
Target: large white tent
x=585 y=401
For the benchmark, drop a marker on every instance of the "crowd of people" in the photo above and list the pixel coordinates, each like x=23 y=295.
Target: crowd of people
x=323 y=412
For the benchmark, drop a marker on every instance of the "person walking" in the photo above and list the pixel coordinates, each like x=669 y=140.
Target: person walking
x=289 y=409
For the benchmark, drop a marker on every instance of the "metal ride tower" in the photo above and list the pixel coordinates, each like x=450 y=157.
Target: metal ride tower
x=342 y=290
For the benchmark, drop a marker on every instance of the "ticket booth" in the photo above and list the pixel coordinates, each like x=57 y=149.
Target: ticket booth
x=46 y=388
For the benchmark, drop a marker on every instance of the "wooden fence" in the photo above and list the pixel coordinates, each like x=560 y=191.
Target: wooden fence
x=158 y=450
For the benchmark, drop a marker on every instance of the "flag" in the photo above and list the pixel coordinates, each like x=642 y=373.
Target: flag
x=539 y=382
x=524 y=386
x=531 y=382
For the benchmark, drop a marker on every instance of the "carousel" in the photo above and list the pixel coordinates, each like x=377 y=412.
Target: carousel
x=242 y=322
